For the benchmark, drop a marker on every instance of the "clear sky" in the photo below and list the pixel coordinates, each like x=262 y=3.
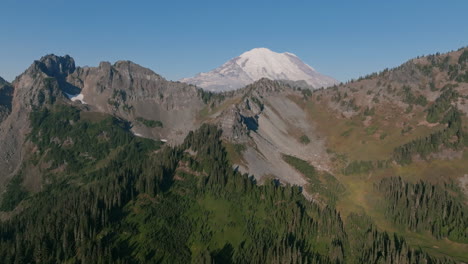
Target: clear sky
x=343 y=39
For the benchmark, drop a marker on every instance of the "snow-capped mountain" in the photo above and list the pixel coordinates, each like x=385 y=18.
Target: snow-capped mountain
x=256 y=64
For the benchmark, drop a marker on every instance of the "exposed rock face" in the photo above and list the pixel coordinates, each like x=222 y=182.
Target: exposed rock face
x=231 y=122
x=36 y=87
x=56 y=66
x=130 y=91
x=269 y=122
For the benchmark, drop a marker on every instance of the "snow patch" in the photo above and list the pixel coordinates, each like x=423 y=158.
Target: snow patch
x=136 y=134
x=76 y=97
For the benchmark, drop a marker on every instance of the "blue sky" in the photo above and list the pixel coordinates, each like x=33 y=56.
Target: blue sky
x=343 y=39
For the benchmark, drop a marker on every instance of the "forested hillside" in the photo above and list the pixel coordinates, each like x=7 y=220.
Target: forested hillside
x=172 y=205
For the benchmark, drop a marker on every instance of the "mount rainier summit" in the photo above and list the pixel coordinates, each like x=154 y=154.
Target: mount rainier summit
x=256 y=64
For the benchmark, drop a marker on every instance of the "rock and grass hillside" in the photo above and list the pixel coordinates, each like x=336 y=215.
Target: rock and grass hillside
x=114 y=164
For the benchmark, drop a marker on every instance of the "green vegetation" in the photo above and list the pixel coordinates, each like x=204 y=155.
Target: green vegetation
x=370 y=130
x=406 y=129
x=410 y=98
x=321 y=183
x=425 y=207
x=459 y=72
x=120 y=94
x=14 y=194
x=114 y=103
x=210 y=97
x=451 y=137
x=441 y=105
x=47 y=94
x=301 y=165
x=365 y=235
x=149 y=123
x=357 y=167
x=350 y=105
x=463 y=59
x=258 y=102
x=306 y=93
x=171 y=207
x=178 y=206
x=119 y=97
x=347 y=132
x=235 y=152
x=383 y=136
x=127 y=108
x=369 y=111
x=68 y=140
x=304 y=139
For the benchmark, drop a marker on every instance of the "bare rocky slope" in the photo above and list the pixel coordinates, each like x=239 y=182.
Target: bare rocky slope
x=135 y=93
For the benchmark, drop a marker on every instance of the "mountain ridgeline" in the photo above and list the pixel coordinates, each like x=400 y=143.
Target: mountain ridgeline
x=115 y=164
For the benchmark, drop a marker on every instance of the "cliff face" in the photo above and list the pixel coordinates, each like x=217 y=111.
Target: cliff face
x=38 y=86
x=135 y=93
x=124 y=89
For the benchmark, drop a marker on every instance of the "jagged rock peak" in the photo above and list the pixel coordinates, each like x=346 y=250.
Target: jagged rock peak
x=130 y=66
x=56 y=66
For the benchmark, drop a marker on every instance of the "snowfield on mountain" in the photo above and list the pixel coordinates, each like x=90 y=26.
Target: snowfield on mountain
x=259 y=63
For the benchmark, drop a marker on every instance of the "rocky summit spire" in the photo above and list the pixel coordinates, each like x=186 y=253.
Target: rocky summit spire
x=56 y=66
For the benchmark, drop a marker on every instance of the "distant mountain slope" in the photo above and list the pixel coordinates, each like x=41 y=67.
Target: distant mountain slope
x=6 y=93
x=256 y=64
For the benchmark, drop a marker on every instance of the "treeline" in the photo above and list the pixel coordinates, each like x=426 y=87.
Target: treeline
x=450 y=137
x=410 y=98
x=459 y=72
x=441 y=105
x=425 y=207
x=371 y=246
x=322 y=183
x=210 y=97
x=14 y=194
